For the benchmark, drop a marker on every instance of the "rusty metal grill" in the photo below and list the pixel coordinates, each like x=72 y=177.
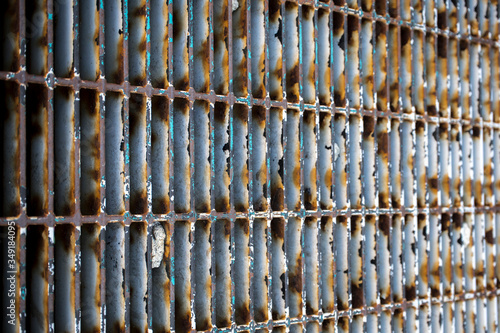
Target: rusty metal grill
x=250 y=165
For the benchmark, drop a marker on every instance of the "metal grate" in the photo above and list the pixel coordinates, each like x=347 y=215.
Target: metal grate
x=250 y=165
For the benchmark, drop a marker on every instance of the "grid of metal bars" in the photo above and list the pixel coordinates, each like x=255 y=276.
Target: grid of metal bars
x=251 y=165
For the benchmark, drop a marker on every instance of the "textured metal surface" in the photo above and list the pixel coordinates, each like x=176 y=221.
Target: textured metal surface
x=250 y=165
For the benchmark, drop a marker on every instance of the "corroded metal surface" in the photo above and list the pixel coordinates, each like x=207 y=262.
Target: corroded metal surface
x=250 y=165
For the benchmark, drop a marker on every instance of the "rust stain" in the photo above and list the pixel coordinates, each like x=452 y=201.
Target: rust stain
x=240 y=69
x=368 y=127
x=338 y=24
x=260 y=314
x=292 y=84
x=393 y=8
x=421 y=184
x=117 y=75
x=243 y=225
x=277 y=74
x=278 y=228
x=261 y=175
x=325 y=221
x=328 y=178
x=384 y=225
x=260 y=92
x=137 y=105
x=344 y=324
x=221 y=46
x=139 y=202
x=357 y=295
x=295 y=282
x=394 y=57
x=277 y=199
x=220 y=113
x=242 y=314
x=259 y=115
x=478 y=187
x=309 y=309
x=222 y=204
x=65 y=234
x=423 y=269
x=324 y=97
x=296 y=176
x=310 y=192
x=366 y=5
x=489 y=237
x=204 y=55
x=118 y=327
x=381 y=42
x=405 y=36
x=410 y=292
x=435 y=274
x=240 y=112
x=339 y=93
x=380 y=7
x=433 y=187
x=182 y=319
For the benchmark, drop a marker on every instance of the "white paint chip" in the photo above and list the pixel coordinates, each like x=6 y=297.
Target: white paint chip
x=157 y=245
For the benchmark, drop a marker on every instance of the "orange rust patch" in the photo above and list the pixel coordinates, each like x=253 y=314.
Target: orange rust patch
x=423 y=269
x=296 y=176
x=240 y=82
x=328 y=178
x=478 y=192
